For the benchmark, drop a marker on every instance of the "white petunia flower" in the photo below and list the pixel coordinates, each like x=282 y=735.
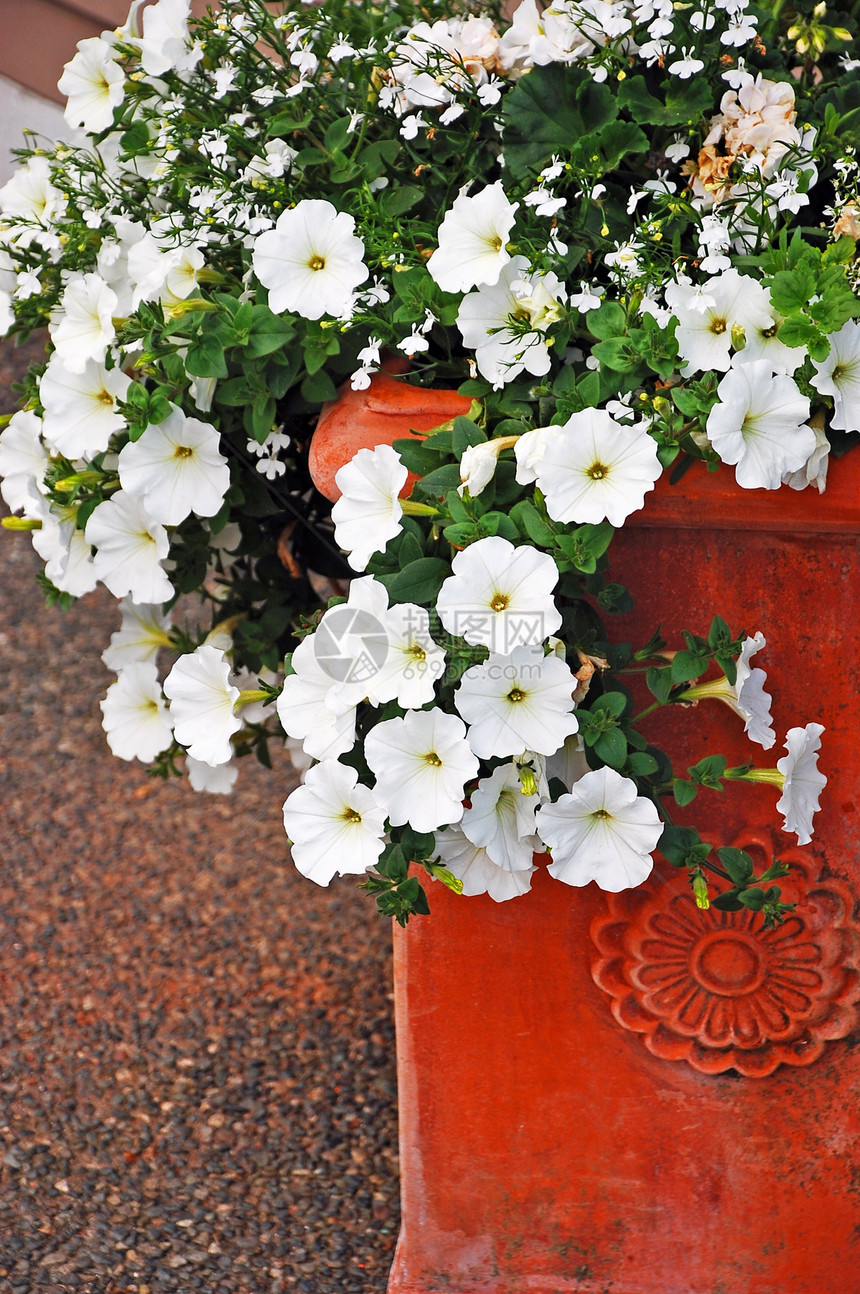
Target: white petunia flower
x=130 y=549
x=334 y=824
x=422 y=763
x=473 y=866
x=759 y=425
x=368 y=512
x=214 y=781
x=522 y=701
x=314 y=707
x=166 y=45
x=135 y=716
x=23 y=460
x=473 y=240
x=592 y=468
x=81 y=407
x=412 y=661
x=505 y=324
x=61 y=545
x=203 y=704
x=839 y=376
x=176 y=468
x=814 y=470
x=803 y=782
x=31 y=196
x=95 y=85
x=84 y=328
x=500 y=596
x=602 y=831
x=311 y=262
x=705 y=324
x=142 y=632
x=501 y=819
x=746 y=696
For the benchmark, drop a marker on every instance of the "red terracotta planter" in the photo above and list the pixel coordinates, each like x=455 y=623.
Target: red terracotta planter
x=619 y=1092
x=386 y=411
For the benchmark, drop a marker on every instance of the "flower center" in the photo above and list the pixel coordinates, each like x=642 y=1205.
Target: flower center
x=495 y=243
x=718 y=326
x=183 y=451
x=601 y=813
x=433 y=759
x=597 y=471
x=351 y=815
x=317 y=263
x=417 y=651
x=499 y=601
x=516 y=694
x=105 y=397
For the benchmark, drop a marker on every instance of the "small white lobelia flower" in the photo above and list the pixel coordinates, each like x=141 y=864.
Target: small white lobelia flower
x=81 y=407
x=368 y=512
x=334 y=824
x=473 y=240
x=522 y=701
x=203 y=704
x=803 y=782
x=315 y=708
x=593 y=468
x=95 y=85
x=135 y=717
x=84 y=328
x=746 y=696
x=704 y=332
x=500 y=596
x=422 y=763
x=602 y=831
x=130 y=548
x=759 y=425
x=214 y=781
x=473 y=866
x=839 y=376
x=176 y=468
x=23 y=459
x=142 y=632
x=505 y=323
x=501 y=819
x=311 y=262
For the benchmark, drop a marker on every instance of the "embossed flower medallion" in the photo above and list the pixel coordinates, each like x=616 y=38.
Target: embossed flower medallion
x=717 y=989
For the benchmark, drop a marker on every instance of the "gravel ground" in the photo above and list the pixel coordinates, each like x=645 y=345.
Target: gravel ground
x=196 y=1046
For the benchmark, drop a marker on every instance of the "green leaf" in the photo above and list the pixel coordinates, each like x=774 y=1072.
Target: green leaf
x=612 y=748
x=608 y=320
x=709 y=771
x=659 y=681
x=206 y=358
x=548 y=110
x=684 y=792
x=683 y=846
x=737 y=863
x=268 y=333
x=317 y=388
x=397 y=201
x=420 y=581
x=526 y=516
x=753 y=898
x=687 y=665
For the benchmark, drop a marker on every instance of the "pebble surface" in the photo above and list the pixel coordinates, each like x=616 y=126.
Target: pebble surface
x=197 y=1085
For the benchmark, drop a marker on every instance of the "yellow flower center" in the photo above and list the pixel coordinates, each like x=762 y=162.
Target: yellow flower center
x=433 y=758
x=516 y=694
x=317 y=263
x=499 y=601
x=598 y=471
x=351 y=815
